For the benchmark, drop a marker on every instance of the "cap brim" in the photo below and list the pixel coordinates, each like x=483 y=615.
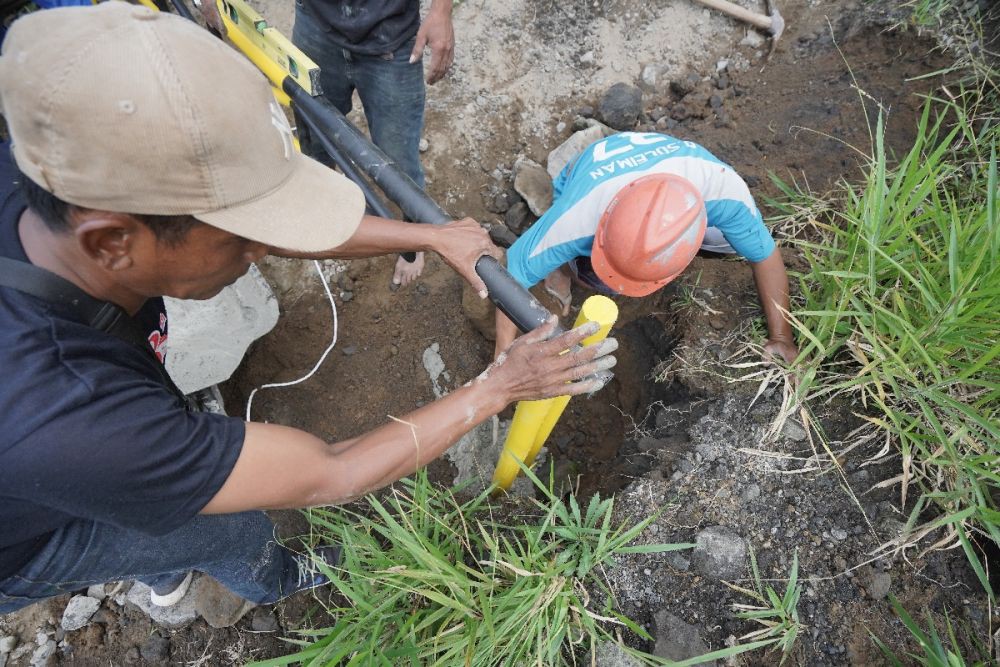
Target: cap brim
x=315 y=209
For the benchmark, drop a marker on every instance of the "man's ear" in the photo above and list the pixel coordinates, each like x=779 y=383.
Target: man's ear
x=108 y=238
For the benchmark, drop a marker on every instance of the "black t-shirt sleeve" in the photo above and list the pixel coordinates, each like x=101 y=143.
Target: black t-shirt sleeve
x=122 y=449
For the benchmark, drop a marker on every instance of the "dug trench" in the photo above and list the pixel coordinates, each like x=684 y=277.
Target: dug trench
x=671 y=433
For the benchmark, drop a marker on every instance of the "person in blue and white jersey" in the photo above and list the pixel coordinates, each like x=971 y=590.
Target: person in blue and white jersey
x=630 y=213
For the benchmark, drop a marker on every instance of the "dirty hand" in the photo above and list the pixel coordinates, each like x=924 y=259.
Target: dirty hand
x=436 y=32
x=460 y=244
x=534 y=367
x=786 y=350
x=210 y=13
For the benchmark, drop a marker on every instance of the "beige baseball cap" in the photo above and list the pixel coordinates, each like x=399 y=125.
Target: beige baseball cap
x=117 y=107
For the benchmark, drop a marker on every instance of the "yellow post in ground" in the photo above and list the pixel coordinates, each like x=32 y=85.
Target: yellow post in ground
x=534 y=420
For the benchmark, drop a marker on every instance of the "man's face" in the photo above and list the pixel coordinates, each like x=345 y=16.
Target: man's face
x=199 y=266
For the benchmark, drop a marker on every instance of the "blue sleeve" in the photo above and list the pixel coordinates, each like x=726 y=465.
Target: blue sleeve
x=743 y=228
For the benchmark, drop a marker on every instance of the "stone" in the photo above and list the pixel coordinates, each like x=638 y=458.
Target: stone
x=611 y=654
x=78 y=612
x=720 y=553
x=346 y=295
x=423 y=146
x=264 y=620
x=175 y=616
x=754 y=39
x=155 y=650
x=587 y=58
x=793 y=431
x=838 y=534
x=677 y=640
x=750 y=493
x=97 y=592
x=621 y=106
x=534 y=184
x=220 y=607
x=880 y=585
x=650 y=74
x=682 y=87
x=519 y=218
x=209 y=338
x=568 y=150
x=41 y=655
x=350 y=350
x=8 y=644
x=501 y=235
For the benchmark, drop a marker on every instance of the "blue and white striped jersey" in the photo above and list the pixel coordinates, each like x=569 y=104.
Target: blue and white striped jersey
x=586 y=186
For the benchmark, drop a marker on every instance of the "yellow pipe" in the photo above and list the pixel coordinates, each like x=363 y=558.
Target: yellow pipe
x=534 y=420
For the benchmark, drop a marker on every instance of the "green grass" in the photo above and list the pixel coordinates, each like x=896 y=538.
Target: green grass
x=778 y=614
x=430 y=578
x=935 y=650
x=900 y=311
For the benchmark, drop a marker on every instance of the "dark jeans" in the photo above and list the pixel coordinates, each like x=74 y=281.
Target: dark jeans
x=237 y=550
x=391 y=91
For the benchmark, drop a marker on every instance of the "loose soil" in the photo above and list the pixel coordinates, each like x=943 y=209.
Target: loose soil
x=524 y=71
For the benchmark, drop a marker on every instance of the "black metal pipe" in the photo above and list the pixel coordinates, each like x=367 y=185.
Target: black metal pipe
x=372 y=198
x=182 y=9
x=516 y=302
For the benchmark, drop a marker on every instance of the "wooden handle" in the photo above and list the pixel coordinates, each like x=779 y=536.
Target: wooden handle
x=734 y=10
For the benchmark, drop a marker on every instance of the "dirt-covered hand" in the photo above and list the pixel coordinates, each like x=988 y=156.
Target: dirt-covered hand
x=460 y=244
x=436 y=32
x=781 y=349
x=536 y=367
x=210 y=13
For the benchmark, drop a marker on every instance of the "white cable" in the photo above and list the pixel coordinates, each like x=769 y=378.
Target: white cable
x=319 y=363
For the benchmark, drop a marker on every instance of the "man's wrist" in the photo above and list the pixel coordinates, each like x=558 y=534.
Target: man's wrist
x=441 y=8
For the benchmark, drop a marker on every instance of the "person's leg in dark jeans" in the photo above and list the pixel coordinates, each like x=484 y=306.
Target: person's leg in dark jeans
x=238 y=550
x=392 y=94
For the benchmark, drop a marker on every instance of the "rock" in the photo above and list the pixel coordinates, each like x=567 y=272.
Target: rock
x=722 y=65
x=78 y=612
x=568 y=150
x=350 y=350
x=264 y=620
x=879 y=586
x=176 y=616
x=46 y=649
x=498 y=203
x=501 y=235
x=423 y=146
x=754 y=39
x=346 y=295
x=677 y=640
x=720 y=554
x=7 y=644
x=534 y=184
x=220 y=607
x=587 y=58
x=793 y=431
x=696 y=103
x=715 y=101
x=586 y=111
x=682 y=87
x=97 y=592
x=723 y=82
x=621 y=106
x=650 y=73
x=611 y=654
x=519 y=218
x=155 y=650
x=838 y=534
x=209 y=338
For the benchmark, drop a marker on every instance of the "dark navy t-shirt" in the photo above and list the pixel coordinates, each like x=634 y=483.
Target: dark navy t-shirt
x=370 y=27
x=87 y=429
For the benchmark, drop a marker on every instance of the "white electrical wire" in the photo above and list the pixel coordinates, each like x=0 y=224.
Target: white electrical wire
x=322 y=358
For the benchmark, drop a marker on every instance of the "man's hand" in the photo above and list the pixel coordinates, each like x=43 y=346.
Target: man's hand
x=210 y=13
x=783 y=349
x=534 y=367
x=436 y=32
x=460 y=244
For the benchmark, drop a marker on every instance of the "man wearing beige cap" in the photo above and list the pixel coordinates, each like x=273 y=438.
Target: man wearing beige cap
x=130 y=178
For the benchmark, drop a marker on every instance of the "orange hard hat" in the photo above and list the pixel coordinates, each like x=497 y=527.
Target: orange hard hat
x=648 y=234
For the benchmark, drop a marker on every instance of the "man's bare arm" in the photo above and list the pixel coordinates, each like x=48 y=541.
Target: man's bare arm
x=282 y=467
x=772 y=288
x=460 y=244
